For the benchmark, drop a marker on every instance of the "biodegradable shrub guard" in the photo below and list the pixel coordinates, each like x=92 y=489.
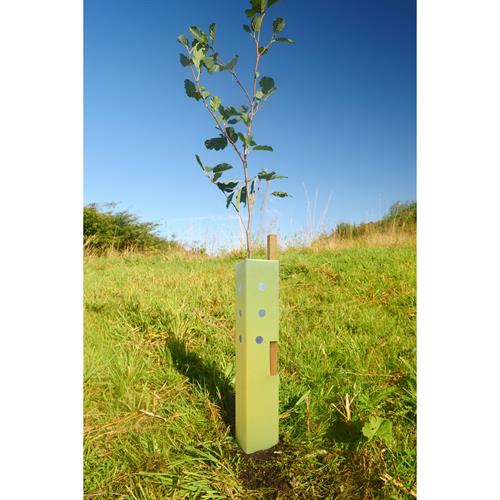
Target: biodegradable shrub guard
x=257 y=281
x=257 y=326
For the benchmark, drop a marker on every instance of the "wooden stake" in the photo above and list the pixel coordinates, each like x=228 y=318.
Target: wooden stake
x=272 y=247
x=273 y=358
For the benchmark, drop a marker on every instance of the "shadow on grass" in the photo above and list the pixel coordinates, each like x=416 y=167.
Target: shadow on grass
x=360 y=470
x=348 y=433
x=207 y=375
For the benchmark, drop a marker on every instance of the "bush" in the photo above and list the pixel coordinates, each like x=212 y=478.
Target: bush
x=105 y=230
x=402 y=212
x=402 y=217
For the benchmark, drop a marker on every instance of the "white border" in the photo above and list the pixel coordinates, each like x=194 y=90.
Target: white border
x=458 y=209
x=41 y=281
x=41 y=130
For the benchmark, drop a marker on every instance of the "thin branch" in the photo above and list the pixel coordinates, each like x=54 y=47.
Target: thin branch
x=233 y=73
x=241 y=85
x=260 y=104
x=222 y=130
x=249 y=132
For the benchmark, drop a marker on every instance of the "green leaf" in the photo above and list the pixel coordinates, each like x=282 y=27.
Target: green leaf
x=229 y=199
x=269 y=176
x=196 y=44
x=262 y=148
x=247 y=28
x=216 y=143
x=232 y=111
x=243 y=195
x=232 y=121
x=191 y=90
x=211 y=31
x=222 y=167
x=385 y=431
x=210 y=62
x=185 y=61
x=199 y=162
x=256 y=23
x=198 y=34
x=247 y=141
x=227 y=186
x=284 y=40
x=215 y=102
x=378 y=427
x=278 y=24
x=216 y=177
x=231 y=134
x=263 y=5
x=267 y=85
x=280 y=194
x=245 y=118
x=197 y=56
x=237 y=201
x=270 y=3
x=182 y=39
x=255 y=8
x=265 y=175
x=263 y=50
x=251 y=12
x=231 y=64
x=371 y=427
x=228 y=112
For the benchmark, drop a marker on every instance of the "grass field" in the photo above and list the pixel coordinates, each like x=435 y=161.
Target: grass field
x=159 y=374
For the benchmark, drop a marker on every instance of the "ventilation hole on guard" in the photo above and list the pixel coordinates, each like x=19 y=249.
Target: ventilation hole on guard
x=259 y=339
x=262 y=286
x=262 y=312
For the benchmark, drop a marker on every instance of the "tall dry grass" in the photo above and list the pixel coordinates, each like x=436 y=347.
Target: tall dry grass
x=377 y=239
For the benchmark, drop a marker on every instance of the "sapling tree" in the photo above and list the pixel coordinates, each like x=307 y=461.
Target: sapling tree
x=235 y=124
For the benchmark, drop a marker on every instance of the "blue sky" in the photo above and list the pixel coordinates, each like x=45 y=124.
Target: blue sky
x=342 y=122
